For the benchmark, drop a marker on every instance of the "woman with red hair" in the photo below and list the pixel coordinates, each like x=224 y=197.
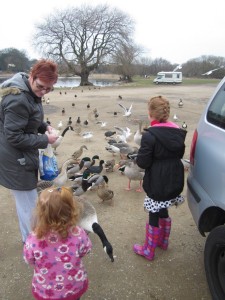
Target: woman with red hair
x=22 y=132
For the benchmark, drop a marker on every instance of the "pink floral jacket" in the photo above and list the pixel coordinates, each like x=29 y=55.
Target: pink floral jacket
x=59 y=272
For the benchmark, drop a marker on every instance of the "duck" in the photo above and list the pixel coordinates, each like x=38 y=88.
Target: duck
x=87 y=135
x=133 y=173
x=89 y=221
x=79 y=152
x=127 y=111
x=96 y=180
x=180 y=103
x=81 y=186
x=96 y=169
x=109 y=165
x=109 y=133
x=69 y=122
x=75 y=168
x=104 y=193
x=89 y=161
x=184 y=125
x=56 y=144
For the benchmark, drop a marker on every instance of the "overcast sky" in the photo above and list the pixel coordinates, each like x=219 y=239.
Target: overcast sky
x=175 y=30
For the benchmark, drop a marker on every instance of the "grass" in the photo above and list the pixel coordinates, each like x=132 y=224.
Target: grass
x=139 y=81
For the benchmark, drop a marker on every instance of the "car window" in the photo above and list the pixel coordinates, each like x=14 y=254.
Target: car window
x=216 y=111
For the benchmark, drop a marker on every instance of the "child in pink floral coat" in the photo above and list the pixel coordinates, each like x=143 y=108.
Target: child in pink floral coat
x=56 y=246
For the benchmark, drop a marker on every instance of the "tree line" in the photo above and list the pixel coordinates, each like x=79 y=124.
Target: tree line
x=88 y=39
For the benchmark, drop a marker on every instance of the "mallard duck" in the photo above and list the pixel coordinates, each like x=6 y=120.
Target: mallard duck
x=79 y=152
x=96 y=169
x=104 y=193
x=96 y=180
x=75 y=168
x=81 y=188
x=60 y=138
x=89 y=221
x=89 y=161
x=133 y=173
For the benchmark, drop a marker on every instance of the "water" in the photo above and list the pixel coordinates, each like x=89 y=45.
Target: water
x=75 y=81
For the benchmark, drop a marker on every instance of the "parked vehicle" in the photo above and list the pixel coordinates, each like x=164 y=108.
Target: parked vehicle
x=206 y=188
x=168 y=77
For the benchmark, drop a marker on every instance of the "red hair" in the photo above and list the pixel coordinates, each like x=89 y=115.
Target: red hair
x=45 y=70
x=56 y=210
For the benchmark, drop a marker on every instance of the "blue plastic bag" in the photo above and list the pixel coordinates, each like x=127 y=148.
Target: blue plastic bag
x=48 y=166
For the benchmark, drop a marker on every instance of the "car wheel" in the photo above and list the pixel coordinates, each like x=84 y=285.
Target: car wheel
x=214 y=259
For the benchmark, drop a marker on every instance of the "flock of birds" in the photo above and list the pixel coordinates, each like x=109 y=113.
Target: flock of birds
x=84 y=173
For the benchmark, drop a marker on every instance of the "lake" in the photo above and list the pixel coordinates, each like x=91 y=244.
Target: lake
x=75 y=81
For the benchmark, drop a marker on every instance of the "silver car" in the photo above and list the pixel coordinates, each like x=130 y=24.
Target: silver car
x=206 y=188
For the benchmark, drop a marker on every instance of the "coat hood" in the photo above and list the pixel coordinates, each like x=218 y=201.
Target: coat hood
x=171 y=138
x=17 y=81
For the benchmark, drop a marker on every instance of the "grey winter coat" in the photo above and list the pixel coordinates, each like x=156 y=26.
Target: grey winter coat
x=160 y=155
x=21 y=121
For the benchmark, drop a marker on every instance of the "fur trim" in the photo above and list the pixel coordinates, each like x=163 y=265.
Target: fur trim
x=9 y=90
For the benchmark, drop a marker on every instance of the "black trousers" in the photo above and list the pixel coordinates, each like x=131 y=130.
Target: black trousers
x=154 y=217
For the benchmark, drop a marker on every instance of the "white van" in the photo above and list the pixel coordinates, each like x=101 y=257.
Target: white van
x=168 y=77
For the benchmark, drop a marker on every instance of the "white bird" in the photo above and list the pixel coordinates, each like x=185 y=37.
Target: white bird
x=125 y=133
x=87 y=135
x=60 y=125
x=180 y=103
x=211 y=71
x=175 y=118
x=102 y=123
x=127 y=111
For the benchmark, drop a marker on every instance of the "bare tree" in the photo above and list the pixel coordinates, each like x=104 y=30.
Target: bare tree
x=83 y=38
x=125 y=58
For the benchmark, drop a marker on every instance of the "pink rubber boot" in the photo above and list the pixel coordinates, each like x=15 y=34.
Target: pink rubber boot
x=148 y=251
x=141 y=248
x=165 y=228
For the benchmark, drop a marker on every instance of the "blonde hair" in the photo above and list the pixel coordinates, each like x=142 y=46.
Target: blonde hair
x=56 y=210
x=159 y=108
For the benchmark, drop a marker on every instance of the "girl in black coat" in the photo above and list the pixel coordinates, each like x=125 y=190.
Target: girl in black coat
x=160 y=153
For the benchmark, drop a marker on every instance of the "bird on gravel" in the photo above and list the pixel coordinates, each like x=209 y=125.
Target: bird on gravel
x=109 y=134
x=127 y=111
x=89 y=221
x=104 y=193
x=79 y=152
